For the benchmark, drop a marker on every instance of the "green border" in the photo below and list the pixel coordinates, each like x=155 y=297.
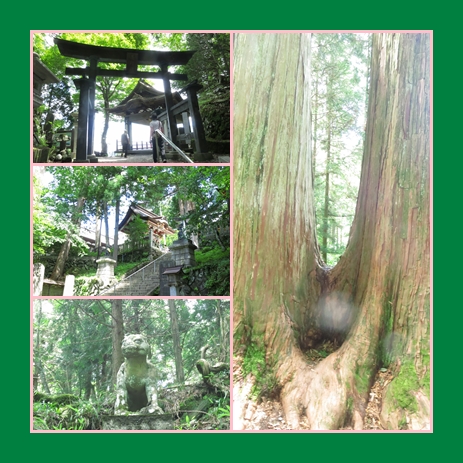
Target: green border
x=227 y=16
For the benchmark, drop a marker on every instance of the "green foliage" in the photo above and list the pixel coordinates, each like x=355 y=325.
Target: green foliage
x=49 y=227
x=210 y=66
x=137 y=229
x=205 y=411
x=362 y=379
x=87 y=286
x=425 y=382
x=123 y=268
x=216 y=264
x=66 y=412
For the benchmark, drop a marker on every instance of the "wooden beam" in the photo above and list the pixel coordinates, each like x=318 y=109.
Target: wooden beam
x=126 y=73
x=132 y=63
x=120 y=55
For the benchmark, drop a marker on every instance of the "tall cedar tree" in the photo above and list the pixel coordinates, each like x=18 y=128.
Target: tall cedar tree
x=375 y=302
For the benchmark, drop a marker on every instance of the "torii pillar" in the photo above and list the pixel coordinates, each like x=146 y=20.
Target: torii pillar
x=198 y=128
x=82 y=85
x=169 y=103
x=91 y=101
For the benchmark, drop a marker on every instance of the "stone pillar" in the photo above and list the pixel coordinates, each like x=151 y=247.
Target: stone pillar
x=39 y=274
x=183 y=252
x=105 y=269
x=69 y=285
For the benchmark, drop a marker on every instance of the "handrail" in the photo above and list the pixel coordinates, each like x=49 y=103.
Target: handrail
x=176 y=148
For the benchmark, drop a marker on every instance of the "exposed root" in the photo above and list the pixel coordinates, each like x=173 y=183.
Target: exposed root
x=292 y=414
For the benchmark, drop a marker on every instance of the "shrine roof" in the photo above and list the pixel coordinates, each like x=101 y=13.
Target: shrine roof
x=120 y=55
x=141 y=97
x=145 y=215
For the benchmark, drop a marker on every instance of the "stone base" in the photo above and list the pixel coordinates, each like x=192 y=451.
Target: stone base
x=105 y=270
x=138 y=422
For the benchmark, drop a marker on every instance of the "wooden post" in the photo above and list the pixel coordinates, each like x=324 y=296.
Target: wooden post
x=197 y=122
x=82 y=85
x=128 y=127
x=91 y=102
x=186 y=123
x=169 y=103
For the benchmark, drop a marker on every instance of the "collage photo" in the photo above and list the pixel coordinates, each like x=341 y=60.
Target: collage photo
x=231 y=231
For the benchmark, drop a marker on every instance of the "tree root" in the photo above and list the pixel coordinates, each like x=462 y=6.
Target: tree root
x=327 y=394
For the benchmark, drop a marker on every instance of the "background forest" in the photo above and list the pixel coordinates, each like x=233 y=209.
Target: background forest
x=77 y=353
x=339 y=73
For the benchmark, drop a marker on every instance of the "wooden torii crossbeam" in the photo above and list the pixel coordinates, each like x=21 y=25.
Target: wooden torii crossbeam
x=94 y=54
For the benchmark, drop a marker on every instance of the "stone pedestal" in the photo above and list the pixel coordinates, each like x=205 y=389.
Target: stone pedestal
x=69 y=285
x=39 y=274
x=183 y=252
x=105 y=269
x=138 y=422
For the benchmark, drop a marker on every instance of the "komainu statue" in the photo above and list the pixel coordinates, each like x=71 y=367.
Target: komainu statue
x=136 y=380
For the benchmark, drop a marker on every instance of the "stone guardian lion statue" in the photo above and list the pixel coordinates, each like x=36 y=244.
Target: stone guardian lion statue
x=136 y=380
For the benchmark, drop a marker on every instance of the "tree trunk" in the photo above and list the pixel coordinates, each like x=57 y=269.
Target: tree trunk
x=176 y=340
x=375 y=302
x=98 y=231
x=58 y=270
x=185 y=206
x=116 y=231
x=224 y=332
x=106 y=225
x=104 y=143
x=117 y=329
x=38 y=367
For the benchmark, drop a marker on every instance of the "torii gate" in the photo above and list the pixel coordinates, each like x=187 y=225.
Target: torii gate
x=132 y=58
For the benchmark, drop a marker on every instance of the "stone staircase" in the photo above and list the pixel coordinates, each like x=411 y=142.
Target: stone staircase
x=141 y=283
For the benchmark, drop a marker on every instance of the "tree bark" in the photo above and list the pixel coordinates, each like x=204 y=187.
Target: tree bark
x=176 y=340
x=224 y=332
x=38 y=367
x=116 y=231
x=58 y=270
x=98 y=231
x=117 y=329
x=375 y=301
x=106 y=225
